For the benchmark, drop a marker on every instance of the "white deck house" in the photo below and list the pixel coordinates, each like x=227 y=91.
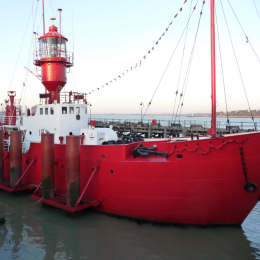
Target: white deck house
x=59 y=119
x=63 y=120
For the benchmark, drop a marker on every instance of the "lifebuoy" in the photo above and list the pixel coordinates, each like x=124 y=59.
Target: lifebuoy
x=251 y=187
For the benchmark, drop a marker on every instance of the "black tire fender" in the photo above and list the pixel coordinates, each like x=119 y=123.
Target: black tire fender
x=250 y=187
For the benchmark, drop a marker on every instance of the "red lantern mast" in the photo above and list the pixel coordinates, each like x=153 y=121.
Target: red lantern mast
x=53 y=59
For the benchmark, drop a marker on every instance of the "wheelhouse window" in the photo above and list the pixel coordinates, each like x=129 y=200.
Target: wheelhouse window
x=41 y=111
x=51 y=111
x=71 y=110
x=77 y=110
x=64 y=110
x=46 y=110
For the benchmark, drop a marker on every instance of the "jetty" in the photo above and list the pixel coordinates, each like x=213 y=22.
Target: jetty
x=166 y=128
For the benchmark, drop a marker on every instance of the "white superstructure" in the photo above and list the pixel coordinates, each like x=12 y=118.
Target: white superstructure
x=63 y=120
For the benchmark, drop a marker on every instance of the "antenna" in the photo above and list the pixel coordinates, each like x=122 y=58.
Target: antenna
x=43 y=19
x=60 y=10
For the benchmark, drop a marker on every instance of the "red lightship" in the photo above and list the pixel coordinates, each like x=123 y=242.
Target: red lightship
x=53 y=150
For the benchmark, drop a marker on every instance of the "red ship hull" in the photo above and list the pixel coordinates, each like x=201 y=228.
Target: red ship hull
x=201 y=182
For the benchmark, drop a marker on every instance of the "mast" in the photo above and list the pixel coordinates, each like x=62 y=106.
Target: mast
x=213 y=130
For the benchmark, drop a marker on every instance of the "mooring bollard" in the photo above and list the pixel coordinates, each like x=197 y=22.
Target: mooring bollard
x=15 y=154
x=1 y=156
x=47 y=144
x=72 y=169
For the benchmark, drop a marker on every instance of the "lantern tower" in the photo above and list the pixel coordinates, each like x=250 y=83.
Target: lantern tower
x=53 y=58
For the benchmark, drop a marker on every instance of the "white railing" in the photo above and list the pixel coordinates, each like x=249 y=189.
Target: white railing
x=11 y=121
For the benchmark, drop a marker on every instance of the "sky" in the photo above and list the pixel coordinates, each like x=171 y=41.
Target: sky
x=108 y=37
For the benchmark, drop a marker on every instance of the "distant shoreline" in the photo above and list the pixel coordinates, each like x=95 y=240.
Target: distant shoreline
x=187 y=115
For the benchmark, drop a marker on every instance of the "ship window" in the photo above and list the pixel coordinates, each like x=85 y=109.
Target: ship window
x=71 y=110
x=41 y=111
x=46 y=110
x=64 y=110
x=51 y=111
x=77 y=110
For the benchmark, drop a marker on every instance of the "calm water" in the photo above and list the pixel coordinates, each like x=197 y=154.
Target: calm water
x=36 y=232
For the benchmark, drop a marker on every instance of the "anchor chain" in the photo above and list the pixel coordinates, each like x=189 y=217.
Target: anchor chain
x=249 y=186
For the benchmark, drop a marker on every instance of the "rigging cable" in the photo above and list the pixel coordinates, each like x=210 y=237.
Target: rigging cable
x=34 y=16
x=257 y=12
x=222 y=71
x=247 y=39
x=169 y=61
x=185 y=83
x=180 y=70
x=238 y=67
x=20 y=51
x=74 y=81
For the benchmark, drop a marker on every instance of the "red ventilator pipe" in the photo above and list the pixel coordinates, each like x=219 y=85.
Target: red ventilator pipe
x=1 y=156
x=72 y=169
x=47 y=145
x=15 y=155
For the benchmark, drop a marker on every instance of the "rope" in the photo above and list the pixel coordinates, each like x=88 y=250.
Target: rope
x=247 y=39
x=34 y=16
x=185 y=83
x=257 y=12
x=20 y=50
x=180 y=70
x=222 y=71
x=169 y=61
x=238 y=67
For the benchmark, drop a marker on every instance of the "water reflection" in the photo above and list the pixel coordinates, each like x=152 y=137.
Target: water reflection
x=36 y=232
x=251 y=227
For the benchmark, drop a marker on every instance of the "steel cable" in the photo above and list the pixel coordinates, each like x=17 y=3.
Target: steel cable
x=238 y=67
x=246 y=36
x=169 y=61
x=222 y=71
x=185 y=83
